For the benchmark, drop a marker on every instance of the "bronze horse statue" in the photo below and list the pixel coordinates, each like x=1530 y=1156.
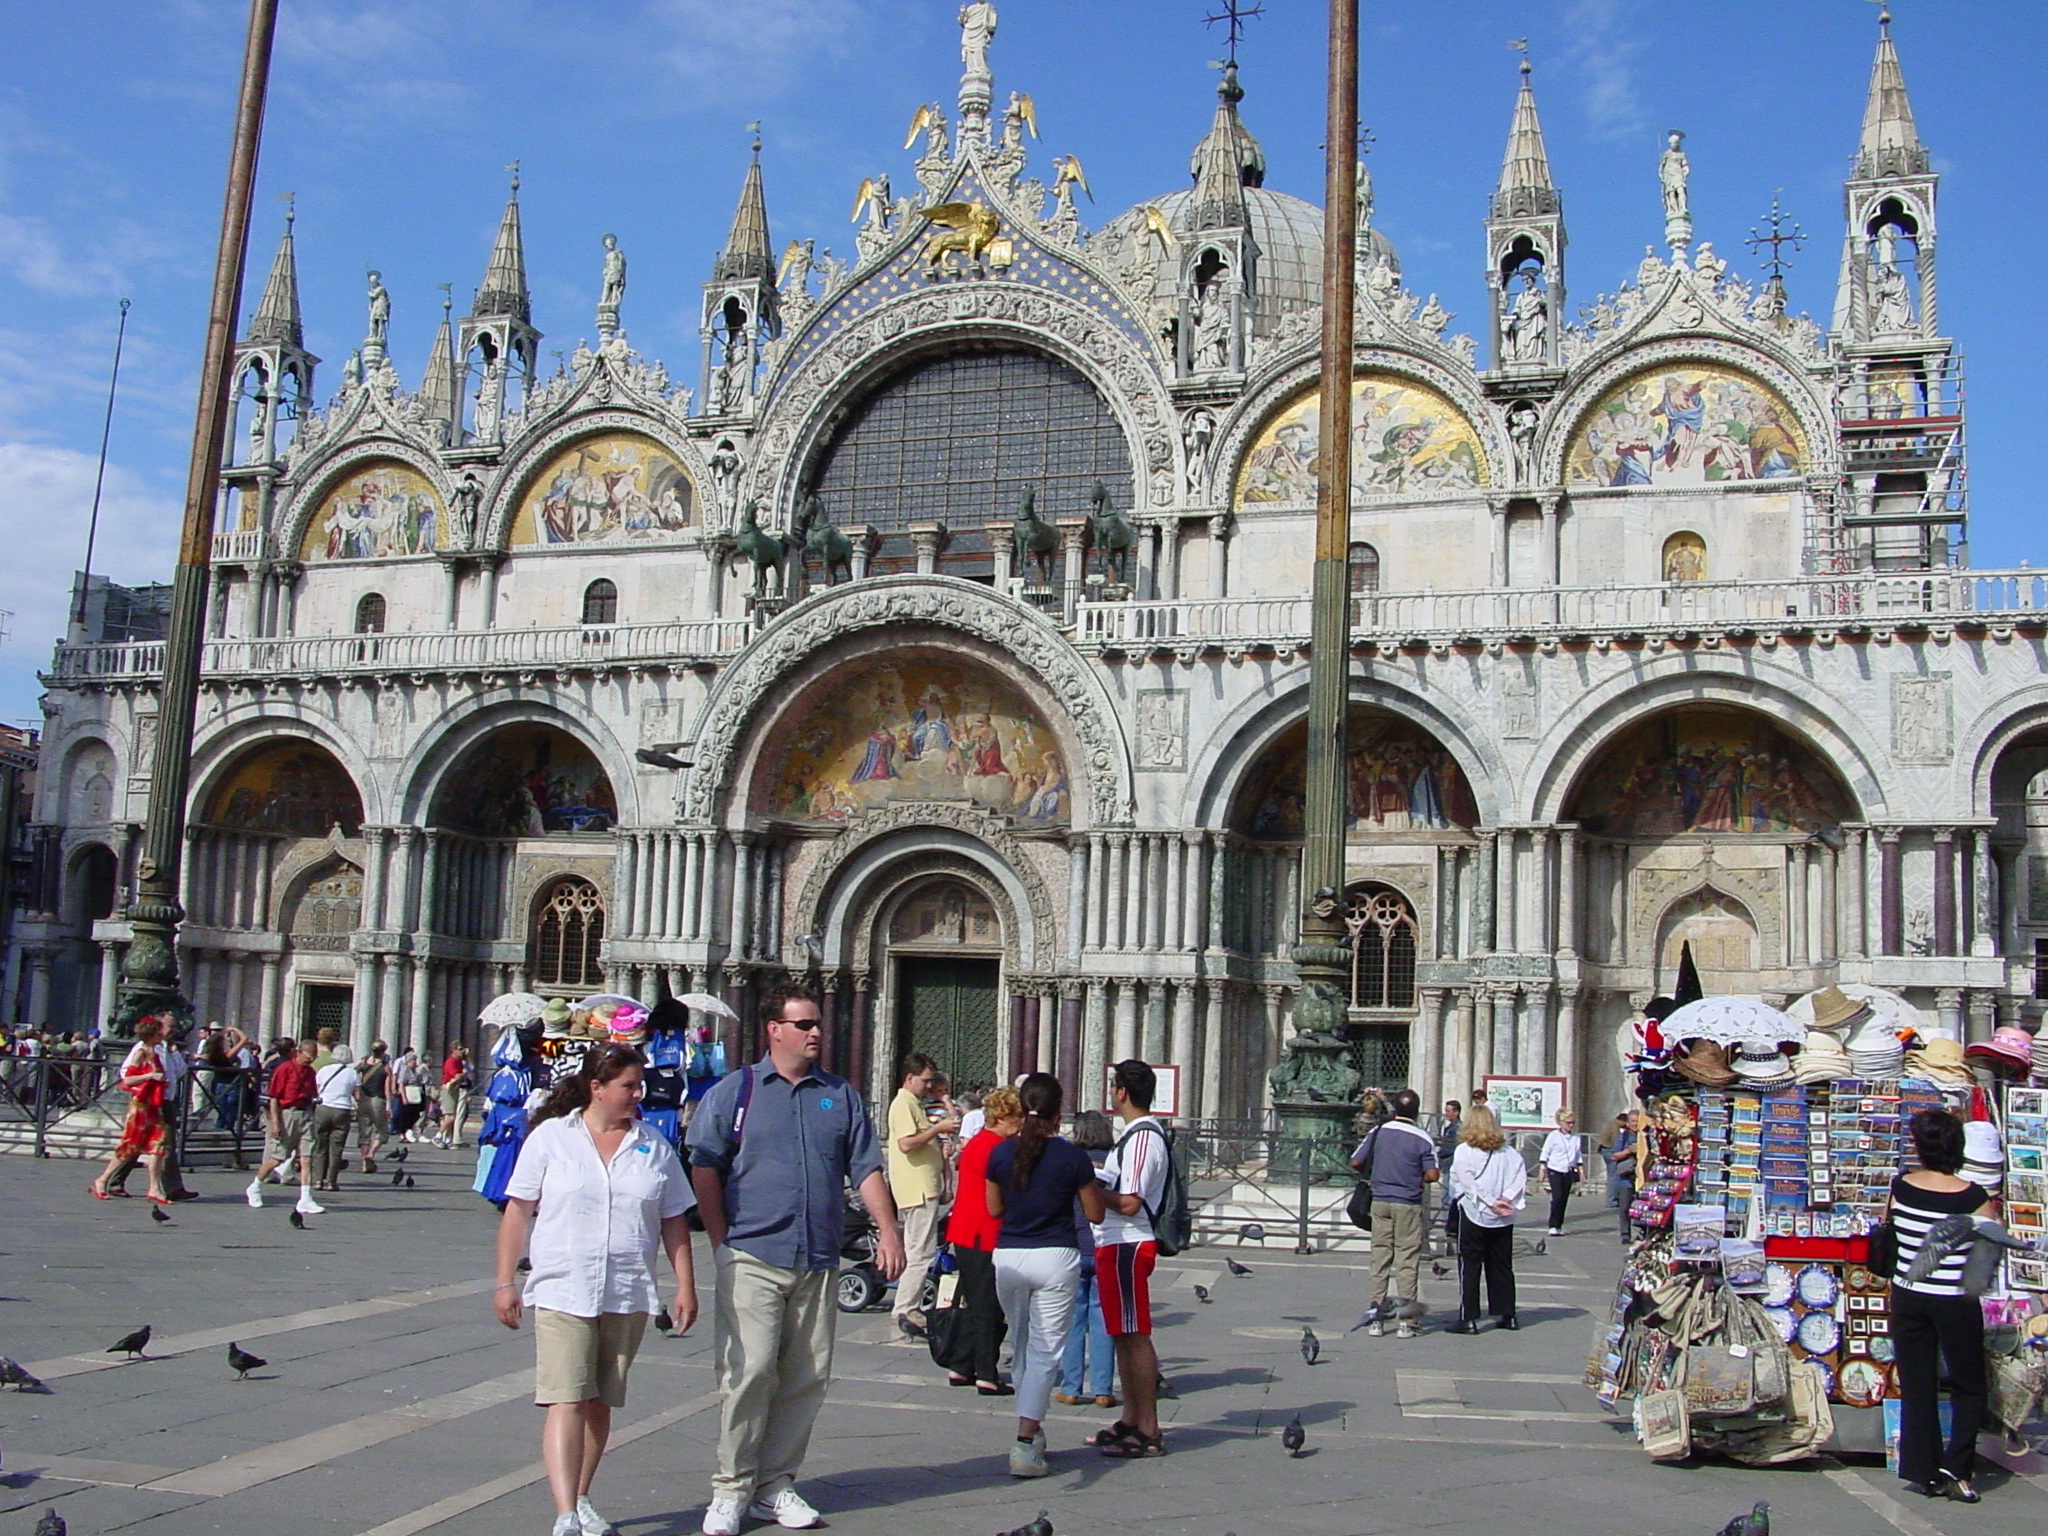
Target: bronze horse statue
x=821 y=538
x=1110 y=534
x=1032 y=535
x=766 y=550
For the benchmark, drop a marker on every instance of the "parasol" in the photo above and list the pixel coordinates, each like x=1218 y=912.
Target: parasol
x=512 y=1010
x=1733 y=1021
x=704 y=1002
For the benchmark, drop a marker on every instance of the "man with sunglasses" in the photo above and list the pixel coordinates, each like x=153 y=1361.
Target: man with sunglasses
x=772 y=1148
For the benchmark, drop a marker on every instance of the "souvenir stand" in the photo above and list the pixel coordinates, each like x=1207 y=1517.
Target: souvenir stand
x=1748 y=1320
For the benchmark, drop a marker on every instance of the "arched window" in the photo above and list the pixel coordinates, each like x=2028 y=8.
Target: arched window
x=601 y=602
x=370 y=614
x=1382 y=929
x=568 y=928
x=1363 y=566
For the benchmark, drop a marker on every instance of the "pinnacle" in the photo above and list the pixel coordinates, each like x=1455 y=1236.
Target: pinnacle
x=1226 y=161
x=1890 y=145
x=276 y=320
x=1525 y=184
x=747 y=256
x=504 y=289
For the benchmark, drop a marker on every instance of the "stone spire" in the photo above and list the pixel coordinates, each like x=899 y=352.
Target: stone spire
x=1525 y=185
x=437 y=388
x=276 y=320
x=1890 y=145
x=747 y=256
x=1227 y=160
x=504 y=289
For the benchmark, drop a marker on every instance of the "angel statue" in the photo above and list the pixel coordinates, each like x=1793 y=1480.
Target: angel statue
x=931 y=122
x=793 y=278
x=1021 y=114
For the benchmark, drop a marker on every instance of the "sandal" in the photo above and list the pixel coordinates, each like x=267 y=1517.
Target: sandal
x=98 y=1193
x=1136 y=1447
x=1115 y=1434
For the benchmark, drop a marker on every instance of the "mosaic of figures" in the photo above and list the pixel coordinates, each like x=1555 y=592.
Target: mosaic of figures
x=1401 y=780
x=1686 y=426
x=1708 y=770
x=1405 y=440
x=528 y=781
x=379 y=512
x=614 y=488
x=296 y=790
x=921 y=729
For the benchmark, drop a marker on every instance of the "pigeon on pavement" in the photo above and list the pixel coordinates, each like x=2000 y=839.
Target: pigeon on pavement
x=401 y=1154
x=156 y=1214
x=1439 y=1270
x=397 y=1177
x=1235 y=1268
x=241 y=1362
x=1542 y=1245
x=132 y=1344
x=1202 y=1294
x=662 y=1321
x=1042 y=1526
x=1366 y=1319
x=298 y=1222
x=1311 y=1346
x=408 y=1182
x=1756 y=1523
x=14 y=1374
x=1294 y=1437
x=1251 y=1232
x=52 y=1524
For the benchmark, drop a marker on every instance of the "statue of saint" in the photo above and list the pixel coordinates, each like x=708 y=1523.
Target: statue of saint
x=614 y=286
x=1892 y=304
x=380 y=310
x=462 y=509
x=1527 y=331
x=1674 y=170
x=977 y=28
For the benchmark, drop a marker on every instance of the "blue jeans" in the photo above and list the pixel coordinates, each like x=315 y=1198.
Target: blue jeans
x=1089 y=1351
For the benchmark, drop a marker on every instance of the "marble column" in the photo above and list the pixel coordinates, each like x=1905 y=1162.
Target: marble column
x=1483 y=892
x=1501 y=1058
x=1461 y=1070
x=1219 y=556
x=1856 y=915
x=1945 y=891
x=1983 y=1011
x=1124 y=1040
x=1566 y=1058
x=1094 y=1045
x=1156 y=1039
x=1983 y=924
x=1183 y=1051
x=1211 y=1097
x=1891 y=898
x=1077 y=899
x=1068 y=1053
x=2012 y=895
x=1532 y=1041
x=1793 y=872
x=1425 y=1044
x=419 y=1026
x=268 y=1002
x=1829 y=947
x=1948 y=1005
x=1568 y=893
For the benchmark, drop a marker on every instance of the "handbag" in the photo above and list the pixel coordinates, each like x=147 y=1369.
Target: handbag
x=1664 y=1424
x=1358 y=1209
x=412 y=1093
x=1883 y=1259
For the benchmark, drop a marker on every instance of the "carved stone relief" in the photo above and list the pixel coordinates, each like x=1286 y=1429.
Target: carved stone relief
x=1921 y=717
x=1162 y=728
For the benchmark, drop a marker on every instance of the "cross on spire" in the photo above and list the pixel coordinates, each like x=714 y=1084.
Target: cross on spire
x=513 y=167
x=1778 y=239
x=1234 y=15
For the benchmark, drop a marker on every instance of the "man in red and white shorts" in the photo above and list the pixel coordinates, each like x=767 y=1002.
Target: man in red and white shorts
x=1134 y=1179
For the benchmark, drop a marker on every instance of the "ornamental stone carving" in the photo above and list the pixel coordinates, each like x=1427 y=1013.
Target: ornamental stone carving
x=943 y=602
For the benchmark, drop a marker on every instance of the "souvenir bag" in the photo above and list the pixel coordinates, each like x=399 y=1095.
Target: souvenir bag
x=1664 y=1425
x=1358 y=1209
x=1719 y=1377
x=1807 y=1425
x=2018 y=1383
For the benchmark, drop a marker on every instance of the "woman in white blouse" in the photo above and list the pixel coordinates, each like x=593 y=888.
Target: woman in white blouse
x=1490 y=1183
x=594 y=1193
x=1562 y=1156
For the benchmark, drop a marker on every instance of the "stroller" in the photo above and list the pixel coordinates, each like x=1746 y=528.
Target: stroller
x=860 y=1284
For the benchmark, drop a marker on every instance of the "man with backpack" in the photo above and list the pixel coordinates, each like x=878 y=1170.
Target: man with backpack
x=1135 y=1178
x=1398 y=1161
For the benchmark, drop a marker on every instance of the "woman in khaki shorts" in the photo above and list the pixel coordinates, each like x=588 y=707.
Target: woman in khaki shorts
x=593 y=1195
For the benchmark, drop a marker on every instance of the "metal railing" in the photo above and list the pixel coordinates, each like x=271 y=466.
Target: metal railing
x=73 y=1106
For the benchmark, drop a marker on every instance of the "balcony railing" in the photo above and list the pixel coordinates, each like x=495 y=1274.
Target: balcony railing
x=242 y=546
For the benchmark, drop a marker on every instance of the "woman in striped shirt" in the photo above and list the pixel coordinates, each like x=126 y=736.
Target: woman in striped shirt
x=1933 y=1320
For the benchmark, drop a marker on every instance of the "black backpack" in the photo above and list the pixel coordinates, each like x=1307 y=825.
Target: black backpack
x=1172 y=1223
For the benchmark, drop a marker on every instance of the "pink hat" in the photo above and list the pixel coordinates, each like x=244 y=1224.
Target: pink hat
x=628 y=1018
x=2010 y=1049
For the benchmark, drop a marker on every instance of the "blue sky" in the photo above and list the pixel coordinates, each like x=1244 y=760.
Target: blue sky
x=393 y=120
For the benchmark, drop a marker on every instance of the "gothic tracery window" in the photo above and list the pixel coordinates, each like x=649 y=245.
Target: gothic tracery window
x=1382 y=929
x=568 y=929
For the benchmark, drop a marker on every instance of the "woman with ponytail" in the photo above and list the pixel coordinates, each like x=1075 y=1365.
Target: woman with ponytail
x=594 y=1192
x=1032 y=1182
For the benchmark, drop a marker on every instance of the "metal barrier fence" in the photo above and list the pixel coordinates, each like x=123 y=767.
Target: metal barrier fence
x=73 y=1106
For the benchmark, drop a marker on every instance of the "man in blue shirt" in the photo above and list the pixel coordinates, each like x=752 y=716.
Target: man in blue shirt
x=772 y=1149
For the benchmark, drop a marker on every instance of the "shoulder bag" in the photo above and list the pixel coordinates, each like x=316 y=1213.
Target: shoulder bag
x=1359 y=1207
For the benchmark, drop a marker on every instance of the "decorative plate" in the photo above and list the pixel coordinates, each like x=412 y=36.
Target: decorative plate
x=1882 y=1350
x=1827 y=1376
x=1818 y=1287
x=1862 y=1383
x=1819 y=1333
x=1861 y=1279
x=1786 y=1323
x=1777 y=1285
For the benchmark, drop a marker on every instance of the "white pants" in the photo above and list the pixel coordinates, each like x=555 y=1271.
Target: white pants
x=1036 y=1287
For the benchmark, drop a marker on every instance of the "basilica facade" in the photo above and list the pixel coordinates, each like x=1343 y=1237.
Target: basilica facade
x=943 y=637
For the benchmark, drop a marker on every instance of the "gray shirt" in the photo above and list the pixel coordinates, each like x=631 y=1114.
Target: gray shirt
x=786 y=1170
x=1399 y=1153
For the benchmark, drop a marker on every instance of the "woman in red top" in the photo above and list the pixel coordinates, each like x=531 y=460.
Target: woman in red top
x=142 y=1131
x=972 y=1232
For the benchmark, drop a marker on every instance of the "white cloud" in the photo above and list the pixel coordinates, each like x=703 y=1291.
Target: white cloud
x=1602 y=53
x=48 y=501
x=774 y=39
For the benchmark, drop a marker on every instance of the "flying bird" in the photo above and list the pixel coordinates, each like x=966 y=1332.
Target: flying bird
x=662 y=1321
x=1366 y=1319
x=1756 y=1523
x=14 y=1374
x=1311 y=1346
x=1202 y=1294
x=1251 y=1232
x=1294 y=1437
x=241 y=1362
x=298 y=1222
x=156 y=1214
x=1067 y=168
x=1235 y=1268
x=397 y=1177
x=1042 y=1526
x=52 y=1524
x=132 y=1344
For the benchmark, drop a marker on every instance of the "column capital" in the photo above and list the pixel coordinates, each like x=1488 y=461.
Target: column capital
x=375 y=836
x=1891 y=834
x=1222 y=525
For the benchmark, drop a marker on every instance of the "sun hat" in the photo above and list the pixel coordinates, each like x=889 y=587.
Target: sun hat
x=1703 y=1062
x=1983 y=1156
x=1821 y=1059
x=1834 y=1009
x=1762 y=1066
x=1939 y=1062
x=2010 y=1050
x=628 y=1018
x=554 y=1017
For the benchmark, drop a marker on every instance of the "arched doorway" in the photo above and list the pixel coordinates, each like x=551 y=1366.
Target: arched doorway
x=945 y=958
x=323 y=910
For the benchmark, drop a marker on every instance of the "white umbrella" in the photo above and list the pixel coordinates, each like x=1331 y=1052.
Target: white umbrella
x=512 y=1010
x=1733 y=1021
x=705 y=1002
x=1888 y=1010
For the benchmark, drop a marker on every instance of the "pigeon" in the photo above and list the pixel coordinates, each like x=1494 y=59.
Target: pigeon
x=1202 y=1294
x=1756 y=1523
x=1251 y=1232
x=132 y=1344
x=409 y=1183
x=1311 y=1346
x=298 y=1222
x=397 y=1177
x=663 y=1322
x=156 y=1214
x=1441 y=1271
x=526 y=1266
x=1366 y=1319
x=14 y=1374
x=1039 y=1527
x=1236 y=1268
x=1542 y=1245
x=241 y=1362
x=1294 y=1437
x=401 y=1154
x=52 y=1524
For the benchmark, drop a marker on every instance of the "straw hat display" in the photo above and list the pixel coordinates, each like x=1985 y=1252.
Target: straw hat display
x=1759 y=1068
x=2009 y=1052
x=1734 y=1021
x=1832 y=1009
x=1939 y=1062
x=1821 y=1059
x=1705 y=1063
x=1888 y=1009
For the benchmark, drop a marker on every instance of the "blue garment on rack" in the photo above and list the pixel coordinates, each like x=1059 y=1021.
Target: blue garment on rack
x=667 y=1121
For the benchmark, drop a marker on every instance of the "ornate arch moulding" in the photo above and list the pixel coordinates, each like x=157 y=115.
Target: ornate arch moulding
x=342 y=456
x=528 y=455
x=804 y=405
x=428 y=760
x=219 y=741
x=732 y=712
x=871 y=831
x=881 y=896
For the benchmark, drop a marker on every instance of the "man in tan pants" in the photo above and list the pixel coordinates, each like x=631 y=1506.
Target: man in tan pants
x=772 y=1149
x=917 y=1172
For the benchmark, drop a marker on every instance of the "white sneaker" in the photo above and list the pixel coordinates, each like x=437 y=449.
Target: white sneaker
x=565 y=1525
x=590 y=1521
x=254 y=1193
x=788 y=1510
x=722 y=1518
x=1557 y=1231
x=1376 y=1329
x=1028 y=1460
x=1407 y=1331
x=307 y=1205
